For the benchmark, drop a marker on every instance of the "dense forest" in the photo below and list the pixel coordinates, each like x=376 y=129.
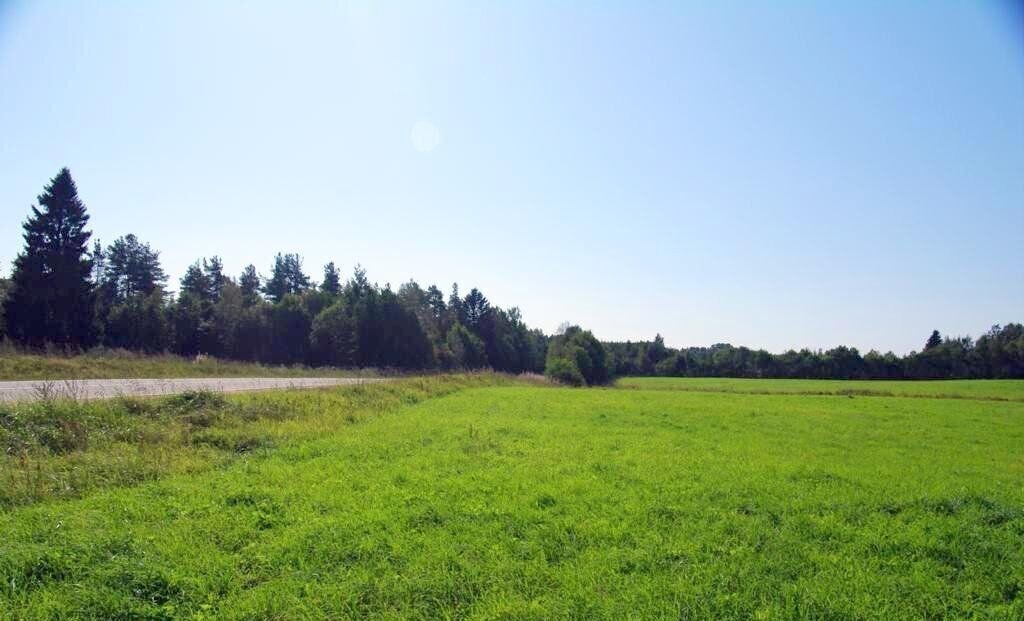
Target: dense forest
x=68 y=295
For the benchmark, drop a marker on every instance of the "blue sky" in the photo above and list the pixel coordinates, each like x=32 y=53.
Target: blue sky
x=771 y=174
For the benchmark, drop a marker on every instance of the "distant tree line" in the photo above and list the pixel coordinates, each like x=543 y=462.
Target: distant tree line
x=68 y=294
x=996 y=354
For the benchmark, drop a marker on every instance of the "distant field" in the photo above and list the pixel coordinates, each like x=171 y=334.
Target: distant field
x=1009 y=390
x=477 y=497
x=118 y=365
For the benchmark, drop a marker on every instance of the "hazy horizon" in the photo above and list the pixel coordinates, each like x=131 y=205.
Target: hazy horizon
x=774 y=177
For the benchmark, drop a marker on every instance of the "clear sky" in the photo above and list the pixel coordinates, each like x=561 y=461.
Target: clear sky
x=770 y=174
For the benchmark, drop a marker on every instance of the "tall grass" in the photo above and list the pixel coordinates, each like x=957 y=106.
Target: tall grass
x=61 y=448
x=118 y=363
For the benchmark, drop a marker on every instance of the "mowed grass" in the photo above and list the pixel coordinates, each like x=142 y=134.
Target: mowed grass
x=522 y=502
x=119 y=364
x=997 y=390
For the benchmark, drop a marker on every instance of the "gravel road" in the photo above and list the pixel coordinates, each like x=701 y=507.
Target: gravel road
x=105 y=389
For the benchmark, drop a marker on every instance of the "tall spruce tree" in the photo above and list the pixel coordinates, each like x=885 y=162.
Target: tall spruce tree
x=51 y=297
x=475 y=308
x=455 y=308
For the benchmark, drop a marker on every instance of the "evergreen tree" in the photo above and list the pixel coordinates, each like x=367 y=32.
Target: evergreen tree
x=192 y=314
x=656 y=352
x=435 y=301
x=399 y=339
x=290 y=326
x=332 y=280
x=99 y=262
x=250 y=285
x=498 y=332
x=240 y=327
x=277 y=285
x=51 y=297
x=286 y=277
x=358 y=287
x=933 y=341
x=129 y=267
x=140 y=322
x=190 y=321
x=196 y=283
x=475 y=309
x=130 y=300
x=214 y=271
x=455 y=310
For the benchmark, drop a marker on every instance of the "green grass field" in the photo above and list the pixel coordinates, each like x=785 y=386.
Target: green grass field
x=997 y=390
x=480 y=497
x=119 y=364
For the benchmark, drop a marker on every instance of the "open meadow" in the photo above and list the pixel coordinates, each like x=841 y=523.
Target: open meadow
x=987 y=389
x=488 y=497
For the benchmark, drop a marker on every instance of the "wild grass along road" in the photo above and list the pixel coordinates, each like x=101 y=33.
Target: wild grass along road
x=107 y=388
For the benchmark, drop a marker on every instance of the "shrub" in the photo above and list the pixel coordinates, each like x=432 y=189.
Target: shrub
x=576 y=351
x=564 y=370
x=467 y=350
x=334 y=337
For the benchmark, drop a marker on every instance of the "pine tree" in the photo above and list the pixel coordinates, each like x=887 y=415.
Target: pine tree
x=286 y=277
x=99 y=262
x=196 y=283
x=358 y=287
x=51 y=298
x=933 y=341
x=214 y=270
x=130 y=267
x=249 y=282
x=193 y=313
x=332 y=280
x=656 y=352
x=435 y=301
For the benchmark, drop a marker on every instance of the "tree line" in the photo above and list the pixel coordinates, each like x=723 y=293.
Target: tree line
x=67 y=293
x=999 y=353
